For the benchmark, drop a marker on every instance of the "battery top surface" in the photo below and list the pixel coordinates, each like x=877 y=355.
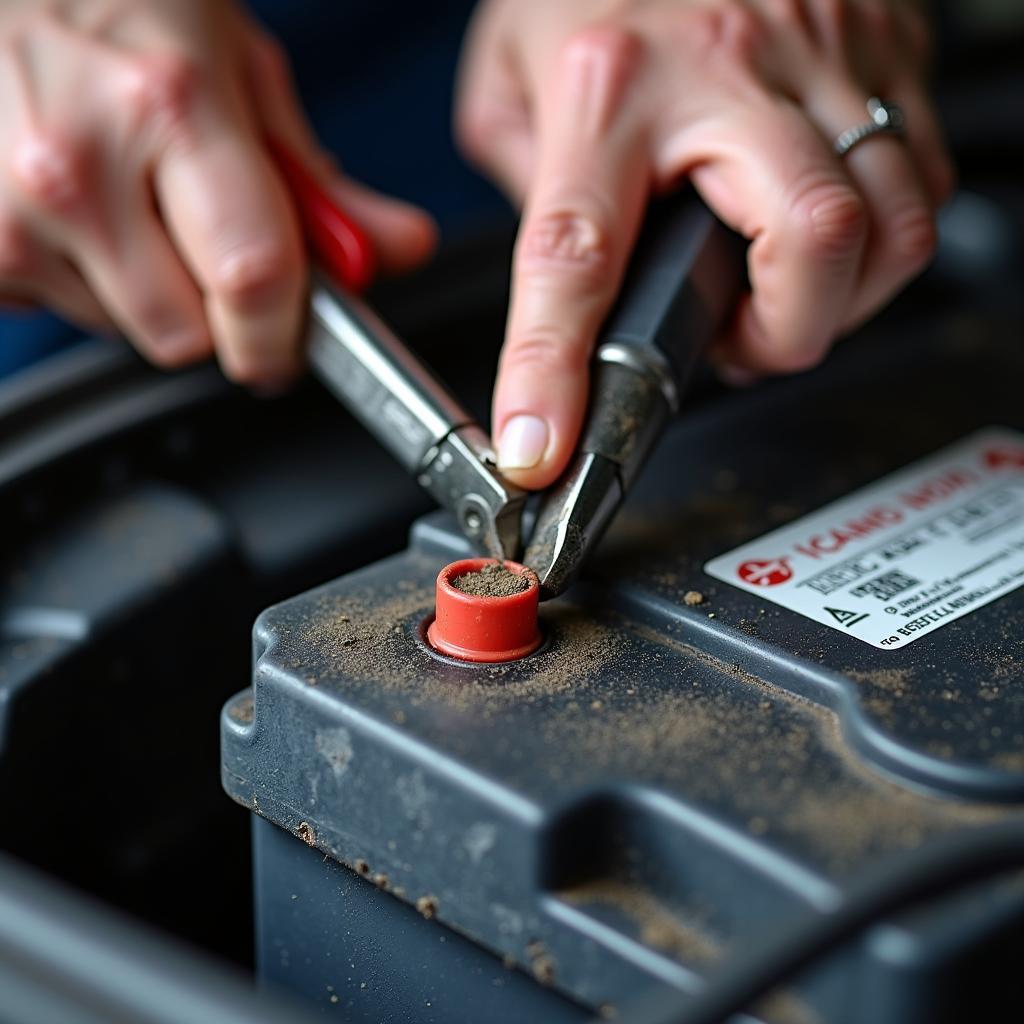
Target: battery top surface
x=685 y=760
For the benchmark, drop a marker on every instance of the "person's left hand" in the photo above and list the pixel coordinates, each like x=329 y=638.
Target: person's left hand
x=581 y=109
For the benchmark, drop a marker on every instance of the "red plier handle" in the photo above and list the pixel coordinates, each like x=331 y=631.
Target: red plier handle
x=340 y=245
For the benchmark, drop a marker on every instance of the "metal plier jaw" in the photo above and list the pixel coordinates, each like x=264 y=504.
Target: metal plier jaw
x=385 y=386
x=461 y=476
x=683 y=279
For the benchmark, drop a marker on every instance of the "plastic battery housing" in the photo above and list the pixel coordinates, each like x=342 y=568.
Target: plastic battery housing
x=664 y=780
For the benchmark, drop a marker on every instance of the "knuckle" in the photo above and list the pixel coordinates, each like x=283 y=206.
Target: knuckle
x=700 y=29
x=148 y=310
x=831 y=220
x=743 y=34
x=914 y=236
x=786 y=12
x=155 y=319
x=252 y=277
x=834 y=16
x=730 y=30
x=546 y=350
x=159 y=89
x=48 y=168
x=609 y=47
x=566 y=244
x=599 y=65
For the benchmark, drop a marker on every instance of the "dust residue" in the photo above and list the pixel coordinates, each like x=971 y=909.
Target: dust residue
x=615 y=700
x=960 y=709
x=352 y=635
x=365 y=638
x=242 y=710
x=855 y=819
x=655 y=925
x=866 y=811
x=593 y=644
x=682 y=935
x=492 y=580
x=893 y=680
x=778 y=759
x=542 y=965
x=882 y=690
x=786 y=1008
x=1002 y=665
x=655 y=546
x=427 y=906
x=1010 y=760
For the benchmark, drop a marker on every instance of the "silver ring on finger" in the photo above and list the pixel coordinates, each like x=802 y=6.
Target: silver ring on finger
x=886 y=119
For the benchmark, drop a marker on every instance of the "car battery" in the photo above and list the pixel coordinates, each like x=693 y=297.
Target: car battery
x=796 y=658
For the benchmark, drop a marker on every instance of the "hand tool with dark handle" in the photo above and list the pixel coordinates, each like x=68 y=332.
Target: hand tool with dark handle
x=682 y=282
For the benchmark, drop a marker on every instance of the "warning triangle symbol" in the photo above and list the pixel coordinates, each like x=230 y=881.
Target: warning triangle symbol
x=841 y=615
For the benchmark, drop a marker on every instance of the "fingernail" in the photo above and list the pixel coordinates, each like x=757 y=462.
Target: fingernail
x=523 y=442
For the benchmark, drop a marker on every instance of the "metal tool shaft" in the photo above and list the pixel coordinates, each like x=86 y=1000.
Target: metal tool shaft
x=683 y=279
x=384 y=385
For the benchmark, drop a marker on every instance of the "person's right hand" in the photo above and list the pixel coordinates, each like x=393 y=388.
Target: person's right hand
x=136 y=191
x=581 y=109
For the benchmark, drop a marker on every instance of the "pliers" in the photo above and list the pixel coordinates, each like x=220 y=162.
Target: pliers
x=385 y=386
x=683 y=279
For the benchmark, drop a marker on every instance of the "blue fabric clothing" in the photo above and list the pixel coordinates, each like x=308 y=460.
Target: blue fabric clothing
x=377 y=80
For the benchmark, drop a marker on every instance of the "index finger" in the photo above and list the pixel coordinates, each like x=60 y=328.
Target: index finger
x=231 y=218
x=581 y=217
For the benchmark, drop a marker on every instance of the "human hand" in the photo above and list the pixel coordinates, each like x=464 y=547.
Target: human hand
x=581 y=109
x=136 y=191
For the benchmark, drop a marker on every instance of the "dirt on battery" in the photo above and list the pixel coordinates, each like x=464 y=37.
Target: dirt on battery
x=493 y=580
x=630 y=702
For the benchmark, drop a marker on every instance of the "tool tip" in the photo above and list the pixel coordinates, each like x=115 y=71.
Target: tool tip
x=571 y=521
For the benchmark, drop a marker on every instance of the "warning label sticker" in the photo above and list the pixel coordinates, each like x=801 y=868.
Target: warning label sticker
x=904 y=556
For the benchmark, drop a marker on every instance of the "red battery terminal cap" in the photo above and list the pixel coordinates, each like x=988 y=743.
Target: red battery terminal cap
x=484 y=627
